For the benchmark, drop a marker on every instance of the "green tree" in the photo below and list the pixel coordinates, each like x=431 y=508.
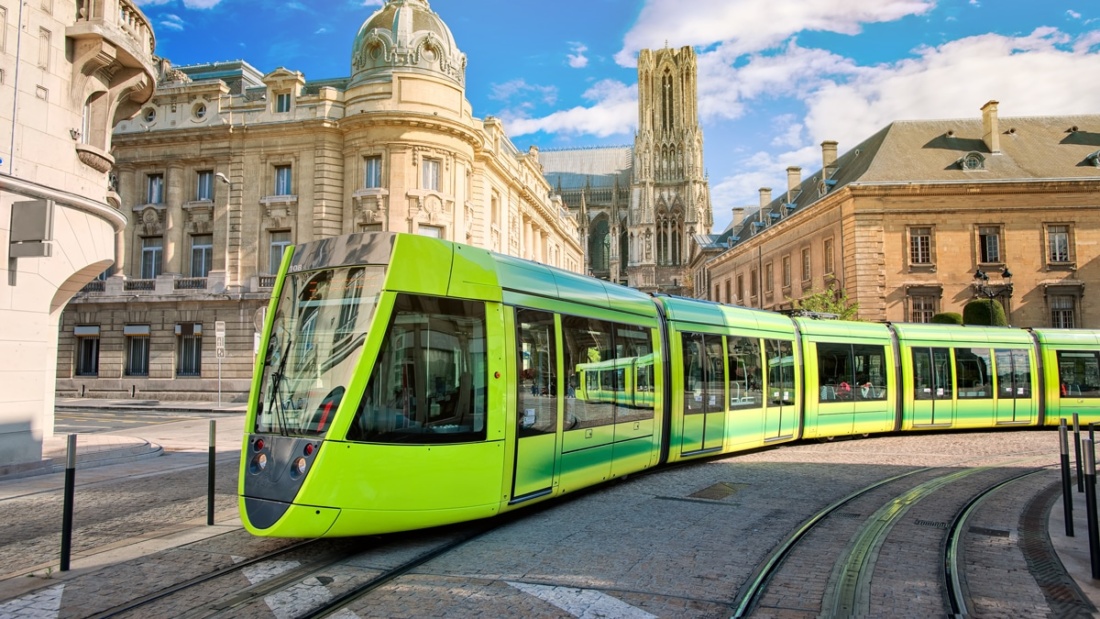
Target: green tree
x=985 y=312
x=832 y=300
x=948 y=318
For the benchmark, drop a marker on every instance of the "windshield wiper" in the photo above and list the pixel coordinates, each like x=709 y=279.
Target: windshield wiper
x=275 y=402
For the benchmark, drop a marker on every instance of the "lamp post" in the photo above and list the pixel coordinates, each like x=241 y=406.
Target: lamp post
x=983 y=288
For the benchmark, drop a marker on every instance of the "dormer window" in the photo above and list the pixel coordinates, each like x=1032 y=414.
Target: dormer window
x=282 y=102
x=1094 y=159
x=972 y=161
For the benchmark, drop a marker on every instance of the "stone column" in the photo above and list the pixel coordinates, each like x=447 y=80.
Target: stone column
x=128 y=193
x=174 y=247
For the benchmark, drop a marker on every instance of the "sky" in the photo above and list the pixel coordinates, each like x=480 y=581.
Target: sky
x=776 y=77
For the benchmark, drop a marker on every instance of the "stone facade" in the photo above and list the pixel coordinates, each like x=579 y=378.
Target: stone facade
x=904 y=220
x=69 y=73
x=641 y=208
x=225 y=167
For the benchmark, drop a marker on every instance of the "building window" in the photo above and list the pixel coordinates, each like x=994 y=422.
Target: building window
x=372 y=174
x=989 y=244
x=137 y=349
x=283 y=185
x=923 y=308
x=370 y=227
x=189 y=349
x=154 y=189
x=1058 y=244
x=717 y=294
x=740 y=300
x=769 y=278
x=87 y=350
x=3 y=29
x=282 y=102
x=728 y=293
x=204 y=189
x=807 y=267
x=1062 y=312
x=152 y=249
x=920 y=246
x=202 y=254
x=754 y=283
x=431 y=174
x=827 y=250
x=436 y=232
x=280 y=240
x=786 y=271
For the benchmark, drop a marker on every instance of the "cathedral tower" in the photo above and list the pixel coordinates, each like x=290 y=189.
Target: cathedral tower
x=670 y=201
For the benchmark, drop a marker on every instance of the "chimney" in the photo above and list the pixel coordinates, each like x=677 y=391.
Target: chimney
x=765 y=196
x=828 y=156
x=794 y=179
x=738 y=216
x=991 y=133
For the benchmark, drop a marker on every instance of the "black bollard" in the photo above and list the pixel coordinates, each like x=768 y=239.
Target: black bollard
x=67 y=504
x=210 y=478
x=1067 y=496
x=1090 y=499
x=1077 y=452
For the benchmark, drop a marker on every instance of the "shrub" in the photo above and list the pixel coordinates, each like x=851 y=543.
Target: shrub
x=948 y=318
x=985 y=312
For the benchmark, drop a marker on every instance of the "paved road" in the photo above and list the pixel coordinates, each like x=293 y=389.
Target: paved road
x=94 y=421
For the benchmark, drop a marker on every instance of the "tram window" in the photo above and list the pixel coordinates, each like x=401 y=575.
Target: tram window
x=588 y=349
x=780 y=359
x=974 y=371
x=932 y=374
x=704 y=373
x=537 y=386
x=428 y=384
x=634 y=373
x=745 y=381
x=869 y=365
x=834 y=371
x=1013 y=374
x=1079 y=373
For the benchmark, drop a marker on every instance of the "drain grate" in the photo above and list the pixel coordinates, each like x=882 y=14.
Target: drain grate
x=990 y=532
x=931 y=523
x=717 y=492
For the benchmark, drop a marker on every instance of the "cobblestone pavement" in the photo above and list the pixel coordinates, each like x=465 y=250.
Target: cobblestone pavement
x=681 y=542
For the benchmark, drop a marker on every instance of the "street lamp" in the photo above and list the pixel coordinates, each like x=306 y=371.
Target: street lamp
x=983 y=288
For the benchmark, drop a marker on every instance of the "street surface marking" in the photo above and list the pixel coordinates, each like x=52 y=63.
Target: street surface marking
x=584 y=603
x=268 y=569
x=44 y=604
x=301 y=598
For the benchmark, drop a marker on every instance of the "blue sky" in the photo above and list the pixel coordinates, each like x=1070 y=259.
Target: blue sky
x=776 y=77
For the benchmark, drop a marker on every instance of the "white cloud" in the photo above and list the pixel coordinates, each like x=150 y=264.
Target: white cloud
x=152 y=2
x=173 y=22
x=519 y=88
x=750 y=25
x=201 y=4
x=373 y=2
x=850 y=102
x=577 y=59
x=1073 y=14
x=614 y=112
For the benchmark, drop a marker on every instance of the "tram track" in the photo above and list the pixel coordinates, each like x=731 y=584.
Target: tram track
x=849 y=583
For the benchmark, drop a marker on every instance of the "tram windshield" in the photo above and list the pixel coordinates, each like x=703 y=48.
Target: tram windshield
x=317 y=334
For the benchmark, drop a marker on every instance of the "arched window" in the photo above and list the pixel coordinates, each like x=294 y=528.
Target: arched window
x=599 y=245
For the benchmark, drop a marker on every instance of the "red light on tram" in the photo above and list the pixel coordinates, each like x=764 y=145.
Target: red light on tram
x=259 y=444
x=309 y=449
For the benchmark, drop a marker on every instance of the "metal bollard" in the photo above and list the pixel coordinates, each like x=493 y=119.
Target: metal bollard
x=1067 y=496
x=67 y=505
x=210 y=476
x=1077 y=452
x=1090 y=498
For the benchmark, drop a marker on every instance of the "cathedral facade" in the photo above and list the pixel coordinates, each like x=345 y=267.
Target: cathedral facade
x=641 y=208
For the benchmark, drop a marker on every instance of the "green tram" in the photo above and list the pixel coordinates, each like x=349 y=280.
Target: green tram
x=407 y=382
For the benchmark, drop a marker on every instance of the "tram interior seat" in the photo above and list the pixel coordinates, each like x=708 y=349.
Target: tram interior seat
x=1075 y=389
x=828 y=392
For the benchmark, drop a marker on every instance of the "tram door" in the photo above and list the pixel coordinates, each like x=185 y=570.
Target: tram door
x=933 y=387
x=704 y=393
x=1015 y=399
x=780 y=417
x=536 y=404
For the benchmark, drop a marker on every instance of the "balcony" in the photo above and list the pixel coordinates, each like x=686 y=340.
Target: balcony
x=120 y=23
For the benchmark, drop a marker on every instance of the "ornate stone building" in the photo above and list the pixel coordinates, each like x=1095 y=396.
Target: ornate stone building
x=69 y=71
x=641 y=208
x=226 y=167
x=905 y=221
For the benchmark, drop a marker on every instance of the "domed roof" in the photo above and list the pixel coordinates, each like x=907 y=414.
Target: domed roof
x=406 y=35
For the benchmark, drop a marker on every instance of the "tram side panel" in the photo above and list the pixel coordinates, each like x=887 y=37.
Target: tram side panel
x=1071 y=374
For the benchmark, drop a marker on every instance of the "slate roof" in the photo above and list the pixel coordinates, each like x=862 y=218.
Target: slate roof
x=931 y=151
x=593 y=167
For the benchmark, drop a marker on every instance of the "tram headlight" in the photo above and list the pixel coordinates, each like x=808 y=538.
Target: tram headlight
x=298 y=468
x=258 y=464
